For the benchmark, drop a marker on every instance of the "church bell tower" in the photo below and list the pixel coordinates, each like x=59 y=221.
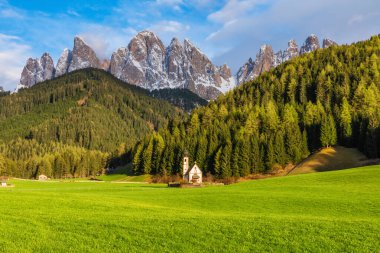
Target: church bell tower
x=185 y=165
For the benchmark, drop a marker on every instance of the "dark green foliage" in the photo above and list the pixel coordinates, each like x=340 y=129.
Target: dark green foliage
x=320 y=99
x=87 y=111
x=182 y=98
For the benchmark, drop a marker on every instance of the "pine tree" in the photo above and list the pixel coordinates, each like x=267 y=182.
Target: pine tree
x=225 y=161
x=244 y=158
x=217 y=162
x=328 y=131
x=345 y=121
x=137 y=161
x=147 y=157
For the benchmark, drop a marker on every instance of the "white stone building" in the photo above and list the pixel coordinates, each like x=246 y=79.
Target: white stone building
x=194 y=175
x=42 y=177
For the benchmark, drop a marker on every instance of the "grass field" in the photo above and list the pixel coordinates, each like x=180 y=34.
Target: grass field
x=332 y=158
x=336 y=211
x=124 y=174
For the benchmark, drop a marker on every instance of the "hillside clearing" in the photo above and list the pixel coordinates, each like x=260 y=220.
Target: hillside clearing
x=328 y=159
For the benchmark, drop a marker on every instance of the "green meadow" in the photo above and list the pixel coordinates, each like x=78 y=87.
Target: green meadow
x=336 y=211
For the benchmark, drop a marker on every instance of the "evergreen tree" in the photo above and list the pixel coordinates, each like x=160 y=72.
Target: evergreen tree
x=328 y=131
x=147 y=158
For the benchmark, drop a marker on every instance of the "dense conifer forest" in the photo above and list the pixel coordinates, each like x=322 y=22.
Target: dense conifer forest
x=324 y=98
x=76 y=125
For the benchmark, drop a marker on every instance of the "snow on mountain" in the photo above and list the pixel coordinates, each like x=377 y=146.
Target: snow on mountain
x=148 y=64
x=63 y=63
x=82 y=56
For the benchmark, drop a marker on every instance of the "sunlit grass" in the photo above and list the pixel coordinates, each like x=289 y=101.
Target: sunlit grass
x=321 y=212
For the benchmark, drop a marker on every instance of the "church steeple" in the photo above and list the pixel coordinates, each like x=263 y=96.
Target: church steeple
x=185 y=164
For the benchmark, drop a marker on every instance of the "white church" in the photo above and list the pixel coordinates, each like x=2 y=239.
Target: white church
x=194 y=175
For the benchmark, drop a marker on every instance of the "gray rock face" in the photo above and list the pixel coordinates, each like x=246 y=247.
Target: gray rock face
x=291 y=51
x=105 y=65
x=327 y=43
x=37 y=70
x=118 y=62
x=176 y=63
x=64 y=62
x=83 y=56
x=245 y=72
x=311 y=44
x=266 y=59
x=148 y=64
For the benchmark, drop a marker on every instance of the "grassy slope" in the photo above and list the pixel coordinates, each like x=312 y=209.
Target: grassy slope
x=333 y=158
x=321 y=212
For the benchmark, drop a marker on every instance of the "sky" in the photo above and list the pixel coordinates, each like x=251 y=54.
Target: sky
x=227 y=31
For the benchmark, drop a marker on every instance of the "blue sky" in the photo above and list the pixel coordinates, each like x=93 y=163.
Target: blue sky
x=228 y=31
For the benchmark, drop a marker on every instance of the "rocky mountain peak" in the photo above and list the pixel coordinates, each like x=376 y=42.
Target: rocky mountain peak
x=144 y=64
x=266 y=59
x=64 y=62
x=291 y=51
x=105 y=65
x=147 y=63
x=176 y=62
x=83 y=56
x=328 y=42
x=118 y=62
x=175 y=42
x=37 y=70
x=245 y=73
x=311 y=44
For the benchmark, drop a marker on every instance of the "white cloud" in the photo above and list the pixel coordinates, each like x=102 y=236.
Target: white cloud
x=233 y=10
x=105 y=39
x=73 y=13
x=168 y=26
x=175 y=4
x=167 y=29
x=10 y=13
x=13 y=54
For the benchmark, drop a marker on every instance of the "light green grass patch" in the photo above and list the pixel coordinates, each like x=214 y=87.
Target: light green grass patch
x=335 y=211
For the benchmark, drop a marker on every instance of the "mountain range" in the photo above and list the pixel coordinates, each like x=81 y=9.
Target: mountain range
x=267 y=59
x=147 y=63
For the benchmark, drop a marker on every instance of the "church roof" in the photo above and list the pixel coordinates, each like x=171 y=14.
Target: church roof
x=194 y=168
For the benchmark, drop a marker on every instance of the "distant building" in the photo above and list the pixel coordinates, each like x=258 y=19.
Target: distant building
x=3 y=180
x=42 y=177
x=194 y=175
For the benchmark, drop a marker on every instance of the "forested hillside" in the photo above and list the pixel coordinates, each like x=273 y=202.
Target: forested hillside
x=328 y=97
x=182 y=98
x=74 y=125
